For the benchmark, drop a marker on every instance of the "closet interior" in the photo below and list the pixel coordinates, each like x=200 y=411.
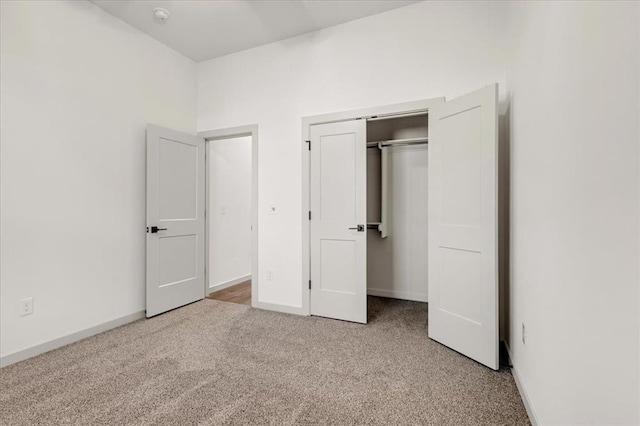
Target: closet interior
x=397 y=158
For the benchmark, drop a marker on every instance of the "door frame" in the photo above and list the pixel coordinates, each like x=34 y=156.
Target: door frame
x=358 y=114
x=229 y=133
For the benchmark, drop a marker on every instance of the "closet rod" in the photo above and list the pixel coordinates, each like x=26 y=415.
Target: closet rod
x=398 y=142
x=400 y=115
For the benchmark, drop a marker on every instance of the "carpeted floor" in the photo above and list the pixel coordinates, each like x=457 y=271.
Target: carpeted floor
x=222 y=363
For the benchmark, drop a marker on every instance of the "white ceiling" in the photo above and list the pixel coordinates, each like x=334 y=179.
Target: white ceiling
x=206 y=29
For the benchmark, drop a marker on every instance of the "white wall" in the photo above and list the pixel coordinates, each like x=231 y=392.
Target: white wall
x=78 y=87
x=229 y=210
x=426 y=50
x=574 y=182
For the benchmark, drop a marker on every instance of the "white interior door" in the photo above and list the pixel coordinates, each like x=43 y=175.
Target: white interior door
x=175 y=219
x=463 y=225
x=338 y=226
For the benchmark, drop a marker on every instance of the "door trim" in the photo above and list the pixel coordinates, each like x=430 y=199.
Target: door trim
x=307 y=122
x=228 y=133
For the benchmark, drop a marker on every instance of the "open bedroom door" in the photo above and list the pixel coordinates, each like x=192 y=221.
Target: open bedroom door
x=175 y=219
x=463 y=225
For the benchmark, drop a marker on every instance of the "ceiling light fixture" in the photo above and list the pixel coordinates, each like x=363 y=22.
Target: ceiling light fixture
x=161 y=15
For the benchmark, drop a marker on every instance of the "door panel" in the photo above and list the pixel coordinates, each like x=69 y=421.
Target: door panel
x=178 y=179
x=178 y=259
x=338 y=186
x=338 y=202
x=463 y=218
x=338 y=260
x=175 y=204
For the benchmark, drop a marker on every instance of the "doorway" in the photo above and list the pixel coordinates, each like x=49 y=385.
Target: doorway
x=444 y=239
x=231 y=219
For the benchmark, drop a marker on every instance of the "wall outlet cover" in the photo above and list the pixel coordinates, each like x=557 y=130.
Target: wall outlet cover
x=26 y=306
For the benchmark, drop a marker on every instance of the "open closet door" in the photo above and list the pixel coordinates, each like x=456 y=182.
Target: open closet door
x=338 y=228
x=463 y=225
x=175 y=219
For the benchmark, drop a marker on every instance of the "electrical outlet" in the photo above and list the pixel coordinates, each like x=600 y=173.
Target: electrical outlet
x=26 y=306
x=223 y=209
x=524 y=334
x=269 y=275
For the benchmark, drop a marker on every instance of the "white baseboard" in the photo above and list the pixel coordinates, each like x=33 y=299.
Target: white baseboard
x=68 y=339
x=287 y=309
x=524 y=395
x=230 y=283
x=394 y=294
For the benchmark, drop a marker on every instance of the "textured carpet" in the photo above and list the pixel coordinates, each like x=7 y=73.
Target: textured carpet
x=221 y=363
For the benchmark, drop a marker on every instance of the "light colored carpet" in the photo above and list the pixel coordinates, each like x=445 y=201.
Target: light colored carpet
x=221 y=363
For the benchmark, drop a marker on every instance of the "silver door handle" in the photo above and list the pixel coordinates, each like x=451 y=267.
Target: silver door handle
x=359 y=228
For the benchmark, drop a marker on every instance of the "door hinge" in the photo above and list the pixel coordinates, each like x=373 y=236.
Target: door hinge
x=309 y=284
x=309 y=214
x=308 y=145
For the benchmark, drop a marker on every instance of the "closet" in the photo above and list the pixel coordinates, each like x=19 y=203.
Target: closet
x=397 y=181
x=402 y=202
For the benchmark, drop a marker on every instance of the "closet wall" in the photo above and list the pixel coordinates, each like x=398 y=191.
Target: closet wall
x=378 y=60
x=397 y=264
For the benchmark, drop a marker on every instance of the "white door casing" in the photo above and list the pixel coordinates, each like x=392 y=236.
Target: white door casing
x=175 y=205
x=338 y=203
x=463 y=225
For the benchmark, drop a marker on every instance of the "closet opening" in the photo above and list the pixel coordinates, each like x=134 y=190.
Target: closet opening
x=399 y=209
x=364 y=232
x=397 y=181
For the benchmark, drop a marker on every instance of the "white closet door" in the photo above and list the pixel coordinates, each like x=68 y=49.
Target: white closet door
x=463 y=225
x=338 y=221
x=175 y=219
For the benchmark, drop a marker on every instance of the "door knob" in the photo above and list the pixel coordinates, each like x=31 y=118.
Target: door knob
x=155 y=229
x=359 y=228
